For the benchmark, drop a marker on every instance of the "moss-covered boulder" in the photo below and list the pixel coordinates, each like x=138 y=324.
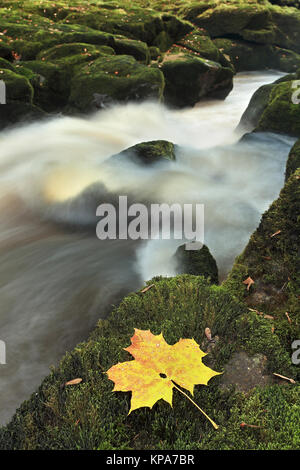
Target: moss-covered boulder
x=18 y=87
x=199 y=41
x=197 y=262
x=271 y=260
x=275 y=107
x=137 y=49
x=6 y=52
x=282 y=113
x=258 y=22
x=114 y=79
x=256 y=107
x=147 y=153
x=19 y=113
x=244 y=55
x=293 y=162
x=74 y=53
x=91 y=416
x=50 y=82
x=189 y=78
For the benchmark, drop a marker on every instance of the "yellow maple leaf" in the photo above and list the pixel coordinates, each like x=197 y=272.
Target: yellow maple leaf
x=158 y=368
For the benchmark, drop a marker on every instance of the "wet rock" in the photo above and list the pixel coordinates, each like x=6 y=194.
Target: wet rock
x=197 y=262
x=205 y=78
x=275 y=108
x=147 y=153
x=245 y=372
x=293 y=162
x=121 y=78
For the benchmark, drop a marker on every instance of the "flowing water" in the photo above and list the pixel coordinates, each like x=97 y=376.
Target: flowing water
x=56 y=277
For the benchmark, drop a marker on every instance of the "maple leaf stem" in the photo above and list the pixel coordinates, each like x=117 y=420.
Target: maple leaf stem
x=195 y=404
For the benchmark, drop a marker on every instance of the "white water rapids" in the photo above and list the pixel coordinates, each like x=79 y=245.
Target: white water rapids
x=56 y=277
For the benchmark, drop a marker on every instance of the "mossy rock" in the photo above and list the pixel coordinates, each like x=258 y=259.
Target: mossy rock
x=91 y=416
x=18 y=87
x=137 y=49
x=257 y=22
x=256 y=107
x=281 y=113
x=199 y=41
x=205 y=78
x=293 y=162
x=163 y=41
x=271 y=259
x=5 y=64
x=51 y=84
x=245 y=56
x=147 y=153
x=74 y=53
x=197 y=262
x=114 y=79
x=19 y=113
x=6 y=52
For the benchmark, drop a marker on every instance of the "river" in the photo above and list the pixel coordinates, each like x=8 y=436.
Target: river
x=56 y=277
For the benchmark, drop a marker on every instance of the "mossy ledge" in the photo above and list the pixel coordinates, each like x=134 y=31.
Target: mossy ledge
x=91 y=416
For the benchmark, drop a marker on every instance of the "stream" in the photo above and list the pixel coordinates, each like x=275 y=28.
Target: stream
x=56 y=277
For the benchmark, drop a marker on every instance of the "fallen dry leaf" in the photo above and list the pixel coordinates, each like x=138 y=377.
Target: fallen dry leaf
x=276 y=233
x=249 y=281
x=261 y=313
x=207 y=333
x=158 y=368
x=147 y=288
x=74 y=382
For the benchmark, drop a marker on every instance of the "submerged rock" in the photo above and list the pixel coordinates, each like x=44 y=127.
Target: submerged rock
x=197 y=262
x=147 y=153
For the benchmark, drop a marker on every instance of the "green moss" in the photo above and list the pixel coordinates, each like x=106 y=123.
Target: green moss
x=68 y=52
x=293 y=162
x=51 y=84
x=138 y=49
x=273 y=263
x=115 y=79
x=257 y=22
x=18 y=87
x=206 y=78
x=163 y=41
x=90 y=416
x=148 y=153
x=256 y=107
x=246 y=56
x=281 y=114
x=197 y=262
x=199 y=41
